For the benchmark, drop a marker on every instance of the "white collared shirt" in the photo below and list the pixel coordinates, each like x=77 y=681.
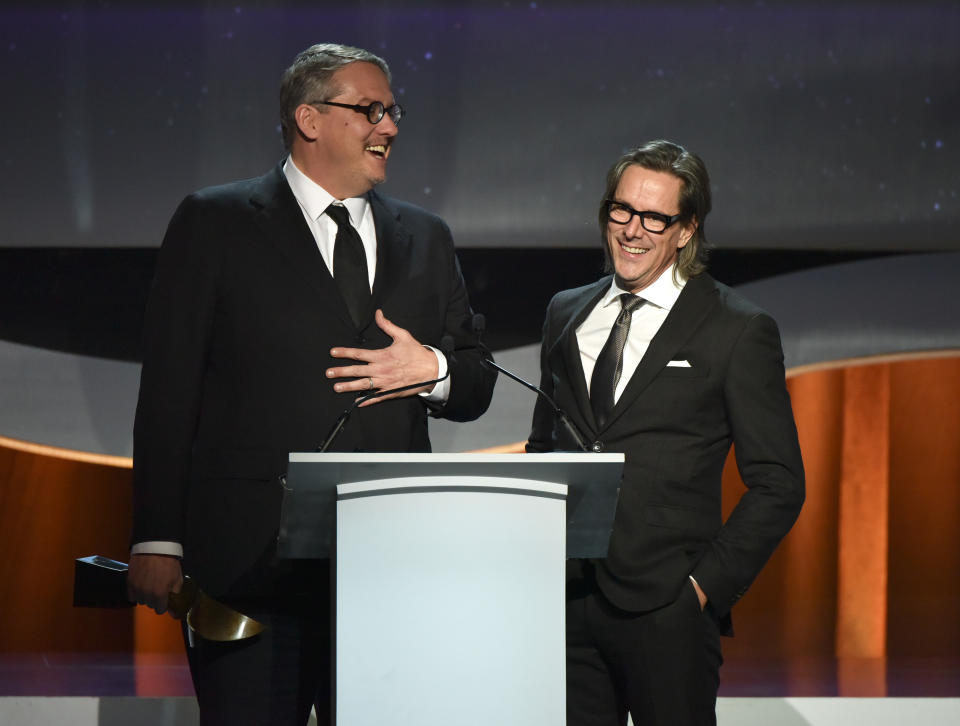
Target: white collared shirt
x=314 y=200
x=660 y=297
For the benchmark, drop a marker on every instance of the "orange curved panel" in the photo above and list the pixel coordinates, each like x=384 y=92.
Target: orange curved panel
x=57 y=505
x=869 y=570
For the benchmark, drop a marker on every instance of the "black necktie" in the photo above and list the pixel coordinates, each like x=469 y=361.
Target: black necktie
x=609 y=367
x=350 y=265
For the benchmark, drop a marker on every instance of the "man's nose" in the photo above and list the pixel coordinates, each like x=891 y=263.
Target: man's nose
x=387 y=126
x=633 y=228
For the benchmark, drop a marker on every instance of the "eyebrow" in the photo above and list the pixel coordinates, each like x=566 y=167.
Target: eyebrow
x=643 y=211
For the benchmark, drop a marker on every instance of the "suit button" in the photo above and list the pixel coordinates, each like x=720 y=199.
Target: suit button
x=361 y=339
x=597 y=447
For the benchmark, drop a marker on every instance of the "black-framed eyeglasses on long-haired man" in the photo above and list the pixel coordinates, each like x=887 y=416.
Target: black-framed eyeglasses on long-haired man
x=655 y=222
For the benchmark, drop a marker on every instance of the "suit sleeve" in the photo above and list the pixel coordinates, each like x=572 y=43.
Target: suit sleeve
x=176 y=339
x=768 y=458
x=471 y=382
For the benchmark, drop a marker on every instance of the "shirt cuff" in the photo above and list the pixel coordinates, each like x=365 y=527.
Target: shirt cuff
x=174 y=549
x=440 y=391
x=694 y=581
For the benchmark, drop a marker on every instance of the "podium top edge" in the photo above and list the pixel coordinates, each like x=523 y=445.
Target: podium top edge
x=408 y=458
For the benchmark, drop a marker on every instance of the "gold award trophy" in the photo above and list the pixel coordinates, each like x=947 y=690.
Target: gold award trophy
x=102 y=582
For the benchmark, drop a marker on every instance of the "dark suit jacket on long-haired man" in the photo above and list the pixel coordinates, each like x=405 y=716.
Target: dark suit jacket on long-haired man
x=701 y=368
x=257 y=336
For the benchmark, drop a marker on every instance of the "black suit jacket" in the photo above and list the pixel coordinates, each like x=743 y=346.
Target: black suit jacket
x=241 y=318
x=675 y=425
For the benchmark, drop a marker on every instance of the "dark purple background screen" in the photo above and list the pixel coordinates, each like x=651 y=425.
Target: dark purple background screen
x=824 y=126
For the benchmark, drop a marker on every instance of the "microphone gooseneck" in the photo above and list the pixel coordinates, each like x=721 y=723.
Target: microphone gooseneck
x=479 y=325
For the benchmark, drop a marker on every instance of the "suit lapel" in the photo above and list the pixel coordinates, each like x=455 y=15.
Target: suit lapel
x=393 y=248
x=565 y=355
x=281 y=220
x=696 y=300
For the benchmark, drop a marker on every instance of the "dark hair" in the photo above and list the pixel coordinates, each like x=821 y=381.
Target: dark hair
x=308 y=79
x=694 y=200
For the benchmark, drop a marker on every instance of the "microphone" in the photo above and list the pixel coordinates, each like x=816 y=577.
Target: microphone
x=446 y=347
x=479 y=325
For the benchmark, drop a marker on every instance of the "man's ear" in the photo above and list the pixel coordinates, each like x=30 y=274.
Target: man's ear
x=689 y=229
x=307 y=118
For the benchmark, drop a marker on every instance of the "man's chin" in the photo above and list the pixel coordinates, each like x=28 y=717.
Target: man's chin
x=633 y=285
x=376 y=172
x=622 y=282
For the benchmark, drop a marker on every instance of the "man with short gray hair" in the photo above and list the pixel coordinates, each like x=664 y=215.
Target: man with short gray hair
x=276 y=302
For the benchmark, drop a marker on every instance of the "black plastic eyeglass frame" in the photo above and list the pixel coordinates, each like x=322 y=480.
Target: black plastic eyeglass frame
x=667 y=220
x=373 y=111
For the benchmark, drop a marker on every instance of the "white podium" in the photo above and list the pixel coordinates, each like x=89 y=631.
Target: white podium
x=449 y=577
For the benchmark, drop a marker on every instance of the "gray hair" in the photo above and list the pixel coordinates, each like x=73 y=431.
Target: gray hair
x=309 y=79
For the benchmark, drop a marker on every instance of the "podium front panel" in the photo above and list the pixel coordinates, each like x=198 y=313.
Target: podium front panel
x=450 y=602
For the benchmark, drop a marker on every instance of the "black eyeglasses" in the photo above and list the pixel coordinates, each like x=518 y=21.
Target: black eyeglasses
x=655 y=222
x=373 y=111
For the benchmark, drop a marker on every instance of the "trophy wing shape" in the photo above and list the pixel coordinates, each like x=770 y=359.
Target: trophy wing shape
x=101 y=582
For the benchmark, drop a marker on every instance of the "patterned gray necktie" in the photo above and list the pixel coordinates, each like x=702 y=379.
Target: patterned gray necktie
x=609 y=367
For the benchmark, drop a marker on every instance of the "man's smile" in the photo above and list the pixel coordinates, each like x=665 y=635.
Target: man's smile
x=633 y=250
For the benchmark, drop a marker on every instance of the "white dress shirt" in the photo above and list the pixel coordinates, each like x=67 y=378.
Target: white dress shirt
x=314 y=200
x=660 y=297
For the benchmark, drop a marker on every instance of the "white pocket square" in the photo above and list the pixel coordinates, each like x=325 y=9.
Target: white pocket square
x=678 y=364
